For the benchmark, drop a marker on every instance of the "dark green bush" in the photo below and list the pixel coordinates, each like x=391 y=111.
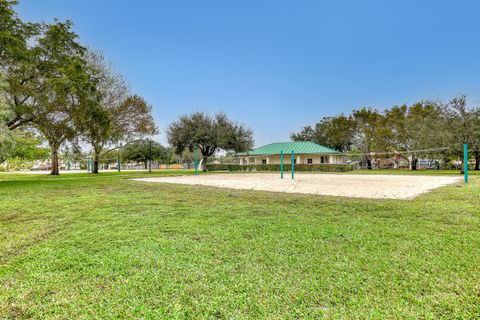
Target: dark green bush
x=276 y=167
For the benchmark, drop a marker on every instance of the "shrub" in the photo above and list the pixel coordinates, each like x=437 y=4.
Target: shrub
x=17 y=164
x=276 y=167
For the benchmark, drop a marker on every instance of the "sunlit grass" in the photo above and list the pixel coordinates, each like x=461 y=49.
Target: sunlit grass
x=78 y=246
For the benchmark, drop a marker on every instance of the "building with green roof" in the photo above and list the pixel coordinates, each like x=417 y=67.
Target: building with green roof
x=306 y=152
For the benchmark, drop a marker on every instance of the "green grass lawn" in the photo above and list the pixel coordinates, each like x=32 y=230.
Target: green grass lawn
x=83 y=247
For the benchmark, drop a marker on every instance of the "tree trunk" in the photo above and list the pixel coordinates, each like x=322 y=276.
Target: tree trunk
x=55 y=170
x=414 y=163
x=476 y=153
x=369 y=163
x=96 y=158
x=204 y=164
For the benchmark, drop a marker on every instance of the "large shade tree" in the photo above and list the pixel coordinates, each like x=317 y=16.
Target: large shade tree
x=208 y=134
x=416 y=127
x=144 y=150
x=45 y=75
x=336 y=132
x=118 y=117
x=475 y=146
x=47 y=84
x=67 y=88
x=13 y=48
x=57 y=127
x=462 y=125
x=372 y=132
x=35 y=78
x=53 y=86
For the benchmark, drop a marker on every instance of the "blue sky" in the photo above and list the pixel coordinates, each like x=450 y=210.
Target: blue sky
x=278 y=65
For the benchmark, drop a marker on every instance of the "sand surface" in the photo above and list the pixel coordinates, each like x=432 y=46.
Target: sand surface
x=347 y=185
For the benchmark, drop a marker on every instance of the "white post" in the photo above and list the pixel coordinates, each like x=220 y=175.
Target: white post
x=268 y=160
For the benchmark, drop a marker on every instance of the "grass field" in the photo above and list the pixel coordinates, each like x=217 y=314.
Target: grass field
x=83 y=247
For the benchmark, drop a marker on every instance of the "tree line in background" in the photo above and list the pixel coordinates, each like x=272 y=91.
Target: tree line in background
x=139 y=151
x=52 y=88
x=421 y=126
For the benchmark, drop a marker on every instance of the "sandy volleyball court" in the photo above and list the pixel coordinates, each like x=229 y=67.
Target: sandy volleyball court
x=347 y=185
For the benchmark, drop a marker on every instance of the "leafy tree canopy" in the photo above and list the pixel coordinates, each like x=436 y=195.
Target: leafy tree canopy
x=208 y=134
x=335 y=132
x=24 y=145
x=143 y=151
x=117 y=116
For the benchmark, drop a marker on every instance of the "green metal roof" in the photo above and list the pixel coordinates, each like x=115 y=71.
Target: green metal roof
x=299 y=147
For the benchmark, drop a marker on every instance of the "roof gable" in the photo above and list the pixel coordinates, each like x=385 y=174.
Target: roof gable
x=298 y=147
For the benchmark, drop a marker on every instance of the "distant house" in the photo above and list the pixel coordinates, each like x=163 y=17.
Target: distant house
x=305 y=152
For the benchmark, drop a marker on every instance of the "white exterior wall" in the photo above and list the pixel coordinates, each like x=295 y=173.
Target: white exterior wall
x=287 y=159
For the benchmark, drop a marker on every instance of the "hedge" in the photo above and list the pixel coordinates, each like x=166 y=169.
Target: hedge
x=276 y=167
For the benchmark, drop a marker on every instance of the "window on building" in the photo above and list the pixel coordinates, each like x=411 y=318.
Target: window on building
x=322 y=160
x=264 y=161
x=309 y=161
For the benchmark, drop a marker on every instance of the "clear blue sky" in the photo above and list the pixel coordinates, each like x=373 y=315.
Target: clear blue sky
x=277 y=65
